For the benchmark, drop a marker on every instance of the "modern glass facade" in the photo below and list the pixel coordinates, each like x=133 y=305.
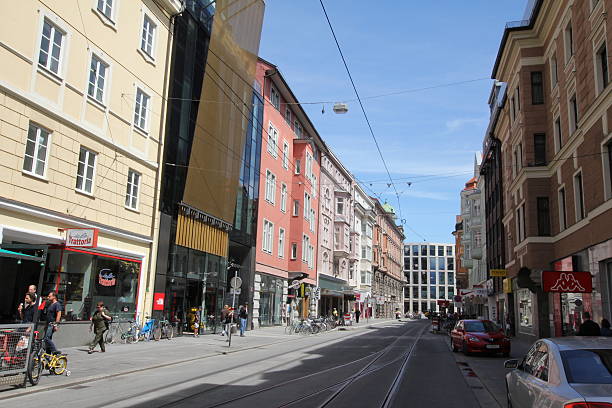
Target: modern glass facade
x=430 y=276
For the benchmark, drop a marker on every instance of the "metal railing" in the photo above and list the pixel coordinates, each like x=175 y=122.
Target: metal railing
x=15 y=345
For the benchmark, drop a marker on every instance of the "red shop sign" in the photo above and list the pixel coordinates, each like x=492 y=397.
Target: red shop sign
x=158 y=301
x=567 y=282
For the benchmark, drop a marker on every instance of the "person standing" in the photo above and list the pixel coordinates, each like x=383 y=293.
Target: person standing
x=243 y=315
x=588 y=327
x=224 y=319
x=99 y=324
x=54 y=314
x=357 y=314
x=605 y=328
x=335 y=314
x=196 y=322
x=26 y=309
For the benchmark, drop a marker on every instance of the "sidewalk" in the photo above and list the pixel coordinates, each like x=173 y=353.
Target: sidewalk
x=121 y=359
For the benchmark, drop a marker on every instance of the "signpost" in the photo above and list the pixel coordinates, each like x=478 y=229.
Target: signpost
x=235 y=284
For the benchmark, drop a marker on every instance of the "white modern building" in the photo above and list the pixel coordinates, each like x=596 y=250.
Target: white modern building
x=430 y=276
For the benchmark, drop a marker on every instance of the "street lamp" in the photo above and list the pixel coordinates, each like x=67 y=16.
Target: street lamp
x=340 y=108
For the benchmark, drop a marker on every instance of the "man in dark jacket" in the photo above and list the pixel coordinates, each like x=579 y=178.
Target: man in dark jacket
x=588 y=327
x=243 y=314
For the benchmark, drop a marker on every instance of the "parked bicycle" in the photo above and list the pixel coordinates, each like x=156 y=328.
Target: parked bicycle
x=163 y=329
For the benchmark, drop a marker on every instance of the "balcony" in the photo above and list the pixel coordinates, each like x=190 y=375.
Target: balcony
x=467 y=263
x=477 y=253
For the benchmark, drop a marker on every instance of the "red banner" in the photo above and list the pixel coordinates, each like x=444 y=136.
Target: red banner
x=158 y=301
x=567 y=282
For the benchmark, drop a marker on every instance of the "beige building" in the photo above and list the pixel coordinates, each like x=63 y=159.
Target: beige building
x=82 y=90
x=550 y=150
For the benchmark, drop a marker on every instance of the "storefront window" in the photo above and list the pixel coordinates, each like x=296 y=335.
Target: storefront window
x=271 y=300
x=525 y=308
x=83 y=278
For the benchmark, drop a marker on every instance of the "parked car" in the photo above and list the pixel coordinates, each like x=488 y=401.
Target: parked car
x=479 y=336
x=564 y=372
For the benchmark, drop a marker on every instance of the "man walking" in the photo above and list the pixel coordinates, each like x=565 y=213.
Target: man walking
x=243 y=315
x=224 y=319
x=54 y=314
x=99 y=324
x=588 y=327
x=357 y=314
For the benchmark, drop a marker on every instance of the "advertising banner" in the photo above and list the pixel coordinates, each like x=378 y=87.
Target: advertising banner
x=567 y=282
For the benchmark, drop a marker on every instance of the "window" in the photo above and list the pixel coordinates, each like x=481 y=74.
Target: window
x=283 y=205
x=432 y=250
x=296 y=207
x=268 y=236
x=369 y=235
x=440 y=250
x=568 y=42
x=281 y=243
x=86 y=170
x=451 y=278
x=520 y=223
x=270 y=187
x=297 y=128
x=441 y=278
x=517 y=95
x=147 y=40
x=558 y=135
x=537 y=88
x=293 y=250
x=433 y=265
x=536 y=361
x=554 y=75
x=141 y=110
x=441 y=264
x=423 y=264
x=588 y=366
x=512 y=108
x=106 y=8
x=432 y=292
x=274 y=97
x=298 y=168
x=441 y=293
x=51 y=42
x=608 y=167
x=308 y=168
x=312 y=220
x=285 y=155
x=579 y=197
x=306 y=205
x=539 y=148
x=97 y=78
x=562 y=210
x=288 y=116
x=543 y=216
x=450 y=263
x=449 y=251
x=133 y=187
x=37 y=151
x=601 y=61
x=340 y=205
x=424 y=251
x=573 y=114
x=273 y=140
x=305 y=245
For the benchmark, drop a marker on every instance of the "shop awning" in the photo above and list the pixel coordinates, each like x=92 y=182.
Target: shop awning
x=17 y=255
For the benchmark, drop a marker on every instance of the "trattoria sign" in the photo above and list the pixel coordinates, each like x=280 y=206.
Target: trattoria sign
x=567 y=282
x=82 y=237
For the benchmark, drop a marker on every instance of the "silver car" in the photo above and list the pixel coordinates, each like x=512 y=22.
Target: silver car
x=563 y=372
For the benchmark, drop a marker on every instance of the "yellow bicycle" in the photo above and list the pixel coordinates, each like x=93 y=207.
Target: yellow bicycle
x=56 y=363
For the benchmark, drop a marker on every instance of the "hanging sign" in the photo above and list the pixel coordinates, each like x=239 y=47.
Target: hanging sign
x=82 y=237
x=499 y=272
x=567 y=282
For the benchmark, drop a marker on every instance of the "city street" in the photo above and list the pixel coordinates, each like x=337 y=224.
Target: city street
x=386 y=364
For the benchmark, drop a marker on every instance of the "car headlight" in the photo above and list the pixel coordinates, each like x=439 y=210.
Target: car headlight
x=473 y=339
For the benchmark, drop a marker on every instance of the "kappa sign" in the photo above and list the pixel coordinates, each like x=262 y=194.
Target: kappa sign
x=567 y=282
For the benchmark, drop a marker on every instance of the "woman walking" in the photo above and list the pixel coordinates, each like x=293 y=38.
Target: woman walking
x=99 y=324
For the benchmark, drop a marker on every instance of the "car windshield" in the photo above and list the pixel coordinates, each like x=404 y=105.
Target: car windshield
x=481 y=327
x=588 y=366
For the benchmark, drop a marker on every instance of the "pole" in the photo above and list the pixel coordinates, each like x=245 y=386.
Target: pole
x=233 y=310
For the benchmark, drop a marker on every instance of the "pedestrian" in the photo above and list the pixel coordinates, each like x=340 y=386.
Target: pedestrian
x=357 y=314
x=196 y=323
x=100 y=322
x=605 y=328
x=27 y=308
x=335 y=314
x=588 y=327
x=224 y=314
x=54 y=314
x=243 y=315
x=397 y=314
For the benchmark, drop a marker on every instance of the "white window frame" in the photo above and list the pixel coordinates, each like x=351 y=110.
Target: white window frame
x=554 y=71
x=270 y=195
x=305 y=245
x=296 y=208
x=38 y=130
x=285 y=155
x=106 y=18
x=568 y=41
x=573 y=115
x=281 y=242
x=308 y=168
x=298 y=129
x=142 y=109
x=312 y=220
x=558 y=133
x=95 y=86
x=294 y=246
x=144 y=42
x=600 y=83
x=88 y=153
x=283 y=203
x=298 y=164
x=272 y=147
x=55 y=28
x=579 y=203
x=275 y=97
x=562 y=205
x=306 y=206
x=268 y=236
x=288 y=115
x=340 y=202
x=131 y=186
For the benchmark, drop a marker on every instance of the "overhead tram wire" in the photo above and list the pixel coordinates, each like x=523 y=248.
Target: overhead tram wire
x=365 y=115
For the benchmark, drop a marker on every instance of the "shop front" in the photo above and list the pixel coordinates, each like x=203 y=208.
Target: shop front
x=333 y=295
x=271 y=300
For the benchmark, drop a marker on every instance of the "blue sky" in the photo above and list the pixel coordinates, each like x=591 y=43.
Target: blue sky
x=393 y=45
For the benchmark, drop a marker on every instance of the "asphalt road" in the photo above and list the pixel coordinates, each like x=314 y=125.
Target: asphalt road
x=398 y=364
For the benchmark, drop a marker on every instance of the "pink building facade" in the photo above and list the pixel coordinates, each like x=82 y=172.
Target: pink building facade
x=287 y=244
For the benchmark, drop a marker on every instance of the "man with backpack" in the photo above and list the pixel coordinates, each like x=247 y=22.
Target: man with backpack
x=100 y=322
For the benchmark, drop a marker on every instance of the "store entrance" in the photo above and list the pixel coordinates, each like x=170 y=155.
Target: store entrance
x=17 y=275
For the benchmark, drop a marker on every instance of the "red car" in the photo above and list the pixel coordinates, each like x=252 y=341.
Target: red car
x=479 y=336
